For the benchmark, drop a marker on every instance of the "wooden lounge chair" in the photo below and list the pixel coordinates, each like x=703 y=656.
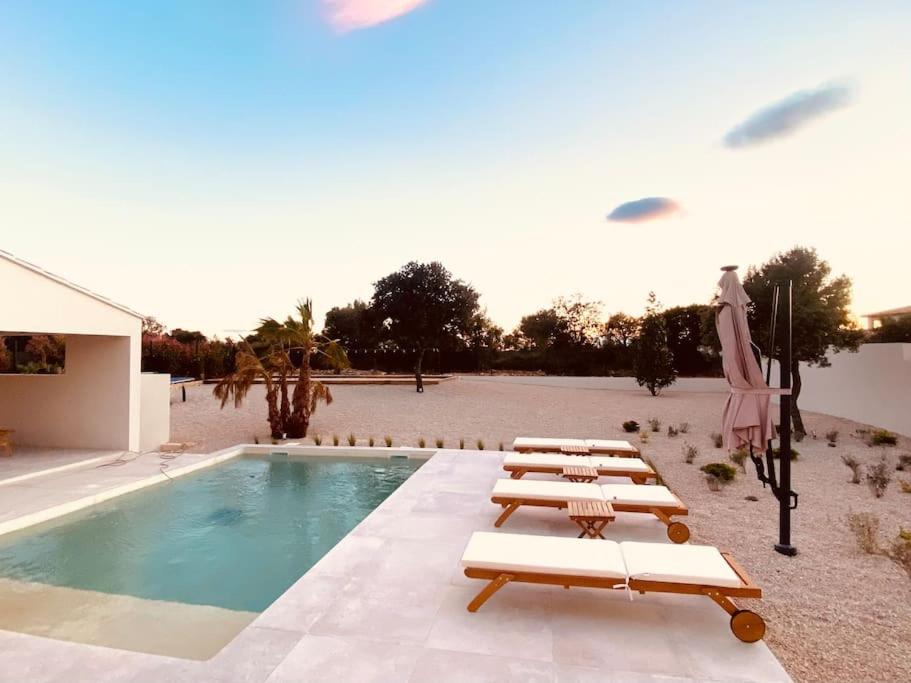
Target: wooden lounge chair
x=6 y=442
x=520 y=464
x=530 y=444
x=643 y=567
x=655 y=500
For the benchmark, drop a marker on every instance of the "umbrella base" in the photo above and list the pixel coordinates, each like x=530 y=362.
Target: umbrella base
x=786 y=549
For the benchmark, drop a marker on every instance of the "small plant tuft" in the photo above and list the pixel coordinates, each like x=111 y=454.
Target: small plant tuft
x=462 y=444
x=654 y=424
x=690 y=453
x=335 y=439
x=500 y=447
x=851 y=462
x=643 y=437
x=317 y=440
x=776 y=453
x=422 y=442
x=370 y=441
x=751 y=498
x=388 y=441
x=878 y=477
x=882 y=437
x=352 y=440
x=683 y=427
x=832 y=437
x=904 y=462
x=717 y=439
x=256 y=439
x=719 y=469
x=865 y=527
x=672 y=431
x=739 y=458
x=631 y=426
x=480 y=444
x=439 y=443
x=904 y=485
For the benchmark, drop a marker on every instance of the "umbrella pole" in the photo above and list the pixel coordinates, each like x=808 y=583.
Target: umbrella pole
x=784 y=442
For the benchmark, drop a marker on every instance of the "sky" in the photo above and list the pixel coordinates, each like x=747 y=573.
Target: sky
x=210 y=163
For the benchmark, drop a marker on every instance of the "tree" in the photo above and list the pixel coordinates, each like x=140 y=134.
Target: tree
x=287 y=346
x=687 y=327
x=621 y=330
x=422 y=307
x=6 y=358
x=151 y=327
x=581 y=320
x=541 y=330
x=821 y=316
x=353 y=326
x=654 y=362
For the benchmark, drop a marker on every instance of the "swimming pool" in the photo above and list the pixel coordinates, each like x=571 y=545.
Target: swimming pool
x=233 y=537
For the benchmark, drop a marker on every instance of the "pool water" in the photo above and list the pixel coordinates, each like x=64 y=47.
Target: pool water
x=234 y=536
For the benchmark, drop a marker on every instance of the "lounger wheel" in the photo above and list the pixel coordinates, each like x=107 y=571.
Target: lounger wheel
x=747 y=626
x=678 y=532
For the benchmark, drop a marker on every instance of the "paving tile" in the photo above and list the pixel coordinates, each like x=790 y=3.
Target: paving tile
x=321 y=658
x=444 y=666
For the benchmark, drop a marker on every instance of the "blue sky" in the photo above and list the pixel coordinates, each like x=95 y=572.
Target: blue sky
x=211 y=162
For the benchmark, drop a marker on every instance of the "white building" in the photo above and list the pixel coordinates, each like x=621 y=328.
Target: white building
x=101 y=400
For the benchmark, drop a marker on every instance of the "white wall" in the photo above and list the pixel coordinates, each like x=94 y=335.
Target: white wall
x=872 y=386
x=88 y=406
x=155 y=411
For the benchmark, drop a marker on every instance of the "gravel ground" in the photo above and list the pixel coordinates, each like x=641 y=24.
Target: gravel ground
x=834 y=613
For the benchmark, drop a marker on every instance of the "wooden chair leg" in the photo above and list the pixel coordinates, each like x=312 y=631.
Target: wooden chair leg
x=512 y=507
x=489 y=590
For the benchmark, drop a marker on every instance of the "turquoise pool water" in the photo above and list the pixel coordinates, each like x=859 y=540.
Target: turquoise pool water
x=236 y=535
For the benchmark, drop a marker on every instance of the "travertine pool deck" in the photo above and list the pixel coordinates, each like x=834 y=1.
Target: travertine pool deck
x=388 y=604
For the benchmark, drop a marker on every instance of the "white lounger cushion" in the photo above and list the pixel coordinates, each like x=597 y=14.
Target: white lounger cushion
x=540 y=443
x=610 y=445
x=606 y=462
x=528 y=489
x=548 y=460
x=544 y=554
x=694 y=564
x=631 y=494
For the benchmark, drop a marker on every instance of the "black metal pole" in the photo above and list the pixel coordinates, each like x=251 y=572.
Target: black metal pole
x=784 y=438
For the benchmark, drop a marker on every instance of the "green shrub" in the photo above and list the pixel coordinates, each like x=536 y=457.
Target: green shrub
x=776 y=453
x=719 y=469
x=352 y=440
x=717 y=439
x=654 y=424
x=630 y=426
x=439 y=443
x=317 y=440
x=883 y=437
x=388 y=441
x=422 y=443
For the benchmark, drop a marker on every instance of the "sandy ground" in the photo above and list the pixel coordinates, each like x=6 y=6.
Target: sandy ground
x=834 y=613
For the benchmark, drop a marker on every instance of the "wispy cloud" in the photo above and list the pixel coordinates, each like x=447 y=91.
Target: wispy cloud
x=645 y=209
x=788 y=115
x=351 y=15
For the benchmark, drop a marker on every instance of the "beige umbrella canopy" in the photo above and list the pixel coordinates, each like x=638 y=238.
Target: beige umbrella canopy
x=746 y=419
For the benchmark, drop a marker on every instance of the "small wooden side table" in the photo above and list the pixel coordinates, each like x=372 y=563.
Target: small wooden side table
x=575 y=450
x=591 y=516
x=580 y=473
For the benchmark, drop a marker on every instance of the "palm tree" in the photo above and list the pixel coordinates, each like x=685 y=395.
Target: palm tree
x=288 y=346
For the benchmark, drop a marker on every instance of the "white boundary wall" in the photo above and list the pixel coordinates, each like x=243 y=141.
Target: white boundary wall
x=872 y=386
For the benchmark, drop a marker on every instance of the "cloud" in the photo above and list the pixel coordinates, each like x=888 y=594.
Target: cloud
x=646 y=209
x=788 y=115
x=351 y=15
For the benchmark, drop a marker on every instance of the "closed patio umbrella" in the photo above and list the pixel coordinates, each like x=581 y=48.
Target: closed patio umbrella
x=746 y=419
